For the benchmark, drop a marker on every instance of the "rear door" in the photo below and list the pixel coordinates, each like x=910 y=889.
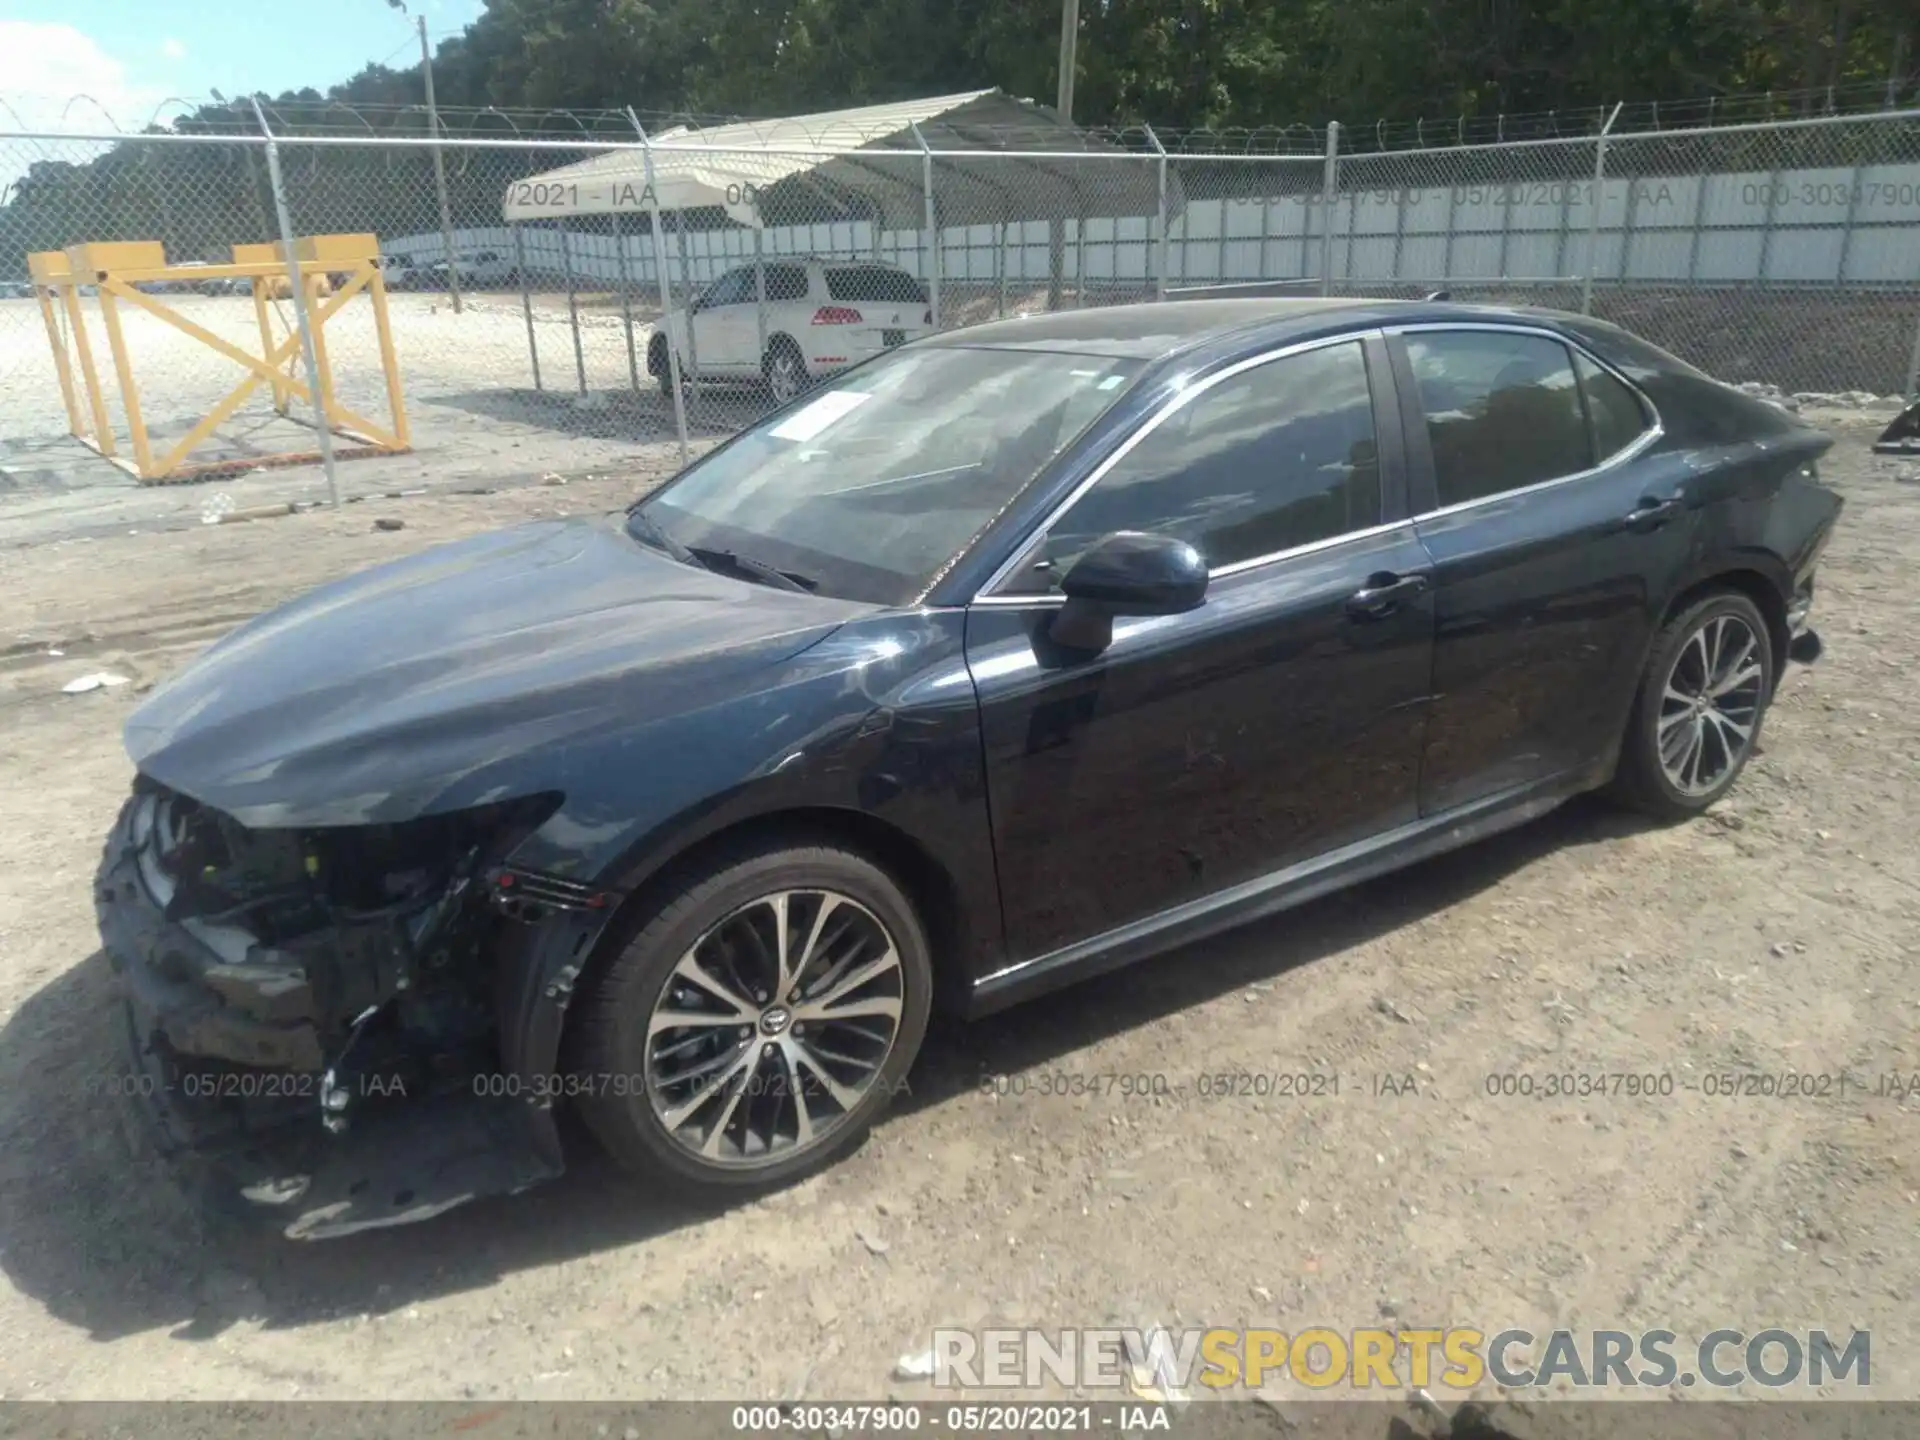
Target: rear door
x=1279 y=720
x=1556 y=527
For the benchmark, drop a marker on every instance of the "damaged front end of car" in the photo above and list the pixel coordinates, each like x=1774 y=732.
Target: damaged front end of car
x=333 y=1027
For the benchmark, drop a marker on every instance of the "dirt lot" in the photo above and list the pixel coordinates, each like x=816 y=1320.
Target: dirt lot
x=1780 y=934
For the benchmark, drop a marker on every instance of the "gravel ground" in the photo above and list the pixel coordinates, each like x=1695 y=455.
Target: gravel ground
x=1778 y=934
x=478 y=418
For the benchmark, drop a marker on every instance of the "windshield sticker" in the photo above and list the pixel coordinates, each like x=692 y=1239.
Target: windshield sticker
x=809 y=420
x=1110 y=382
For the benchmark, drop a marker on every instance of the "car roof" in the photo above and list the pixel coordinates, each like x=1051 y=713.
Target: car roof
x=825 y=262
x=1154 y=330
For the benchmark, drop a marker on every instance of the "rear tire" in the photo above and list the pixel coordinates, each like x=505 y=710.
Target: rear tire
x=715 y=1061
x=1696 y=719
x=784 y=369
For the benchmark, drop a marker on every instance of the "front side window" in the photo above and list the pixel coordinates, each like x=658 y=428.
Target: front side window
x=869 y=488
x=1274 y=458
x=1502 y=410
x=732 y=288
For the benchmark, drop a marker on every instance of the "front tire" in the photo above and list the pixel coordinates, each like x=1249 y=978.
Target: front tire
x=660 y=366
x=1696 y=719
x=753 y=1028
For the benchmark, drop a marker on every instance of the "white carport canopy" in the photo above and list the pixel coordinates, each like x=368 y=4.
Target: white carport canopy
x=866 y=162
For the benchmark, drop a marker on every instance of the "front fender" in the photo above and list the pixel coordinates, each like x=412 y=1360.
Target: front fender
x=879 y=720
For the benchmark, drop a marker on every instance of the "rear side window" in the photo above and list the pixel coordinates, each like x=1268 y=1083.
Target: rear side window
x=786 y=282
x=1615 y=412
x=881 y=284
x=1502 y=410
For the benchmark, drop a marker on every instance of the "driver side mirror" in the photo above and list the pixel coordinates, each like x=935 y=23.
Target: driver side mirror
x=1127 y=573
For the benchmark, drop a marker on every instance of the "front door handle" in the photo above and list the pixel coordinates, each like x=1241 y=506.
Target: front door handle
x=1651 y=514
x=1383 y=595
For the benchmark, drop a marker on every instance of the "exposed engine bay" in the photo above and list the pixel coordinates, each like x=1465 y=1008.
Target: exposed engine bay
x=287 y=987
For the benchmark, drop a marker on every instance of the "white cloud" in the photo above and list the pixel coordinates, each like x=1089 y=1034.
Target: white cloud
x=43 y=67
x=173 y=49
x=45 y=71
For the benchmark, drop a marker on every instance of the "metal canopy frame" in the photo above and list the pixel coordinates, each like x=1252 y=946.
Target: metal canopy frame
x=924 y=165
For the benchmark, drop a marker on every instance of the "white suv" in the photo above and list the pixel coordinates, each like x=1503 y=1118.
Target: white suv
x=475 y=267
x=821 y=317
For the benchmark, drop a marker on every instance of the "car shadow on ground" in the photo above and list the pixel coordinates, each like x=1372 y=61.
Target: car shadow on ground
x=91 y=1226
x=643 y=415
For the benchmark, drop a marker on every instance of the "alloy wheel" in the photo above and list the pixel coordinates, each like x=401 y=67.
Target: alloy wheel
x=783 y=376
x=1710 y=704
x=773 y=1027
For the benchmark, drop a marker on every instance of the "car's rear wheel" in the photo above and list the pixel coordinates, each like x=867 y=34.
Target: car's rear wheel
x=1697 y=717
x=785 y=370
x=757 y=1024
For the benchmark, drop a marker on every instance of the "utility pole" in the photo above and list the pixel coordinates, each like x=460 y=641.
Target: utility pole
x=439 y=171
x=1069 y=37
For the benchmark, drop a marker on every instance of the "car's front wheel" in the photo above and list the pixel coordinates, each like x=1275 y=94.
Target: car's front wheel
x=1697 y=717
x=757 y=1024
x=660 y=366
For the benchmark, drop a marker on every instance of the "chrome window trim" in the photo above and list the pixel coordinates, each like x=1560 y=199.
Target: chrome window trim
x=985 y=594
x=1645 y=439
x=1225 y=572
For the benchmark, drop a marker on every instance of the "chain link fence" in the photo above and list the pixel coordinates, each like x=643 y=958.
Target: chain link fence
x=558 y=304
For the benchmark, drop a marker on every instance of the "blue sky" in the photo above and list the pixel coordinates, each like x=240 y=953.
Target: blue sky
x=131 y=55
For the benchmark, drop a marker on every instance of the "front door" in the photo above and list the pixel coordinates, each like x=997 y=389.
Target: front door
x=1279 y=720
x=1553 y=530
x=717 y=324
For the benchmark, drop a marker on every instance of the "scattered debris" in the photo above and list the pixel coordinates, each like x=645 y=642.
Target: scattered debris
x=914 y=1367
x=1151 y=1362
x=1386 y=1007
x=873 y=1242
x=1823 y=399
x=553 y=477
x=256 y=512
x=389 y=522
x=99 y=679
x=1902 y=437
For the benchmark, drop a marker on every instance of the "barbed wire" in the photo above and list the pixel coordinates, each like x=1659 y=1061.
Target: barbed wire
x=321 y=116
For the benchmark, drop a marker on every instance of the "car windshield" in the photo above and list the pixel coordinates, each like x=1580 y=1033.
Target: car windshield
x=869 y=486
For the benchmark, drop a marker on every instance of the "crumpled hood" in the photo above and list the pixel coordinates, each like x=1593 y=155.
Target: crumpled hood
x=460 y=675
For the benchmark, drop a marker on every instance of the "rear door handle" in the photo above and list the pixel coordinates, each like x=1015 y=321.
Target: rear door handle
x=1651 y=514
x=1383 y=595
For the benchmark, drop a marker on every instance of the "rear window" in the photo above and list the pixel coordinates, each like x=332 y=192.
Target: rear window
x=879 y=283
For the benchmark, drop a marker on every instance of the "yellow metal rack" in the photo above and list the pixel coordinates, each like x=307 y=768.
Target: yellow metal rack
x=116 y=270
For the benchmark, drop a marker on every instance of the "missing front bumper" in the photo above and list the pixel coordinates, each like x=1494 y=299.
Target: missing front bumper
x=229 y=1060
x=397 y=1166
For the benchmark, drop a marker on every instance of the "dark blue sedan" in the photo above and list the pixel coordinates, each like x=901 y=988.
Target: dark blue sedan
x=1009 y=657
